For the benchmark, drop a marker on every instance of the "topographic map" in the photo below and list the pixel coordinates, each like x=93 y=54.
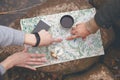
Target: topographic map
x=66 y=50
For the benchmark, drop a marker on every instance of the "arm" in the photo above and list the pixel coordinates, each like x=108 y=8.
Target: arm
x=105 y=17
x=108 y=13
x=22 y=59
x=1 y=78
x=2 y=69
x=9 y=36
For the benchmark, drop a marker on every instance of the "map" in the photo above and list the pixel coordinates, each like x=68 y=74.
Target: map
x=66 y=50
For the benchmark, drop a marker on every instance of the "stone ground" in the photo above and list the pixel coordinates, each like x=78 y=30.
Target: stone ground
x=11 y=10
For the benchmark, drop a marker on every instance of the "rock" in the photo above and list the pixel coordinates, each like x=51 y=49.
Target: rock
x=97 y=3
x=108 y=36
x=57 y=6
x=9 y=50
x=100 y=72
x=13 y=9
x=62 y=6
x=53 y=6
x=112 y=60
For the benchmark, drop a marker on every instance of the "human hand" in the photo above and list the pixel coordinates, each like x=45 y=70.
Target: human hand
x=24 y=59
x=79 y=31
x=46 y=38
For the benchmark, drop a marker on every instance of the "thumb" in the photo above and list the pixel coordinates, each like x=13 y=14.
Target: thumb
x=72 y=37
x=30 y=67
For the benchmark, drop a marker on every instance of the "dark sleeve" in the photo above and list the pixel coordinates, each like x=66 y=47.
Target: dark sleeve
x=108 y=13
x=1 y=78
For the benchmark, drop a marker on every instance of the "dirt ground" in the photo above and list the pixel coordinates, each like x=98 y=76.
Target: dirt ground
x=11 y=10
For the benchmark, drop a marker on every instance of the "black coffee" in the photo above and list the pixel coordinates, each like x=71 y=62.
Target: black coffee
x=67 y=21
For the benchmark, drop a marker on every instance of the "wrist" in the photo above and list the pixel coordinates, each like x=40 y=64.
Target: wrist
x=2 y=69
x=30 y=39
x=7 y=63
x=91 y=26
x=37 y=36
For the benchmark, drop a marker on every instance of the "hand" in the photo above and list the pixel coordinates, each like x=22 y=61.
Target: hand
x=24 y=59
x=47 y=39
x=79 y=31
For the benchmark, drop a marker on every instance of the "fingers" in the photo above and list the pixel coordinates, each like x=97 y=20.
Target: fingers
x=33 y=59
x=38 y=59
x=56 y=40
x=79 y=24
x=35 y=55
x=27 y=66
x=73 y=32
x=30 y=67
x=72 y=37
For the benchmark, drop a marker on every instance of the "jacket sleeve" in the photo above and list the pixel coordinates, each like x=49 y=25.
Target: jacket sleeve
x=1 y=78
x=108 y=13
x=9 y=36
x=2 y=70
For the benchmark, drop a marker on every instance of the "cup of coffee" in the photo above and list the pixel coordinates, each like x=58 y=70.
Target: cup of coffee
x=67 y=21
